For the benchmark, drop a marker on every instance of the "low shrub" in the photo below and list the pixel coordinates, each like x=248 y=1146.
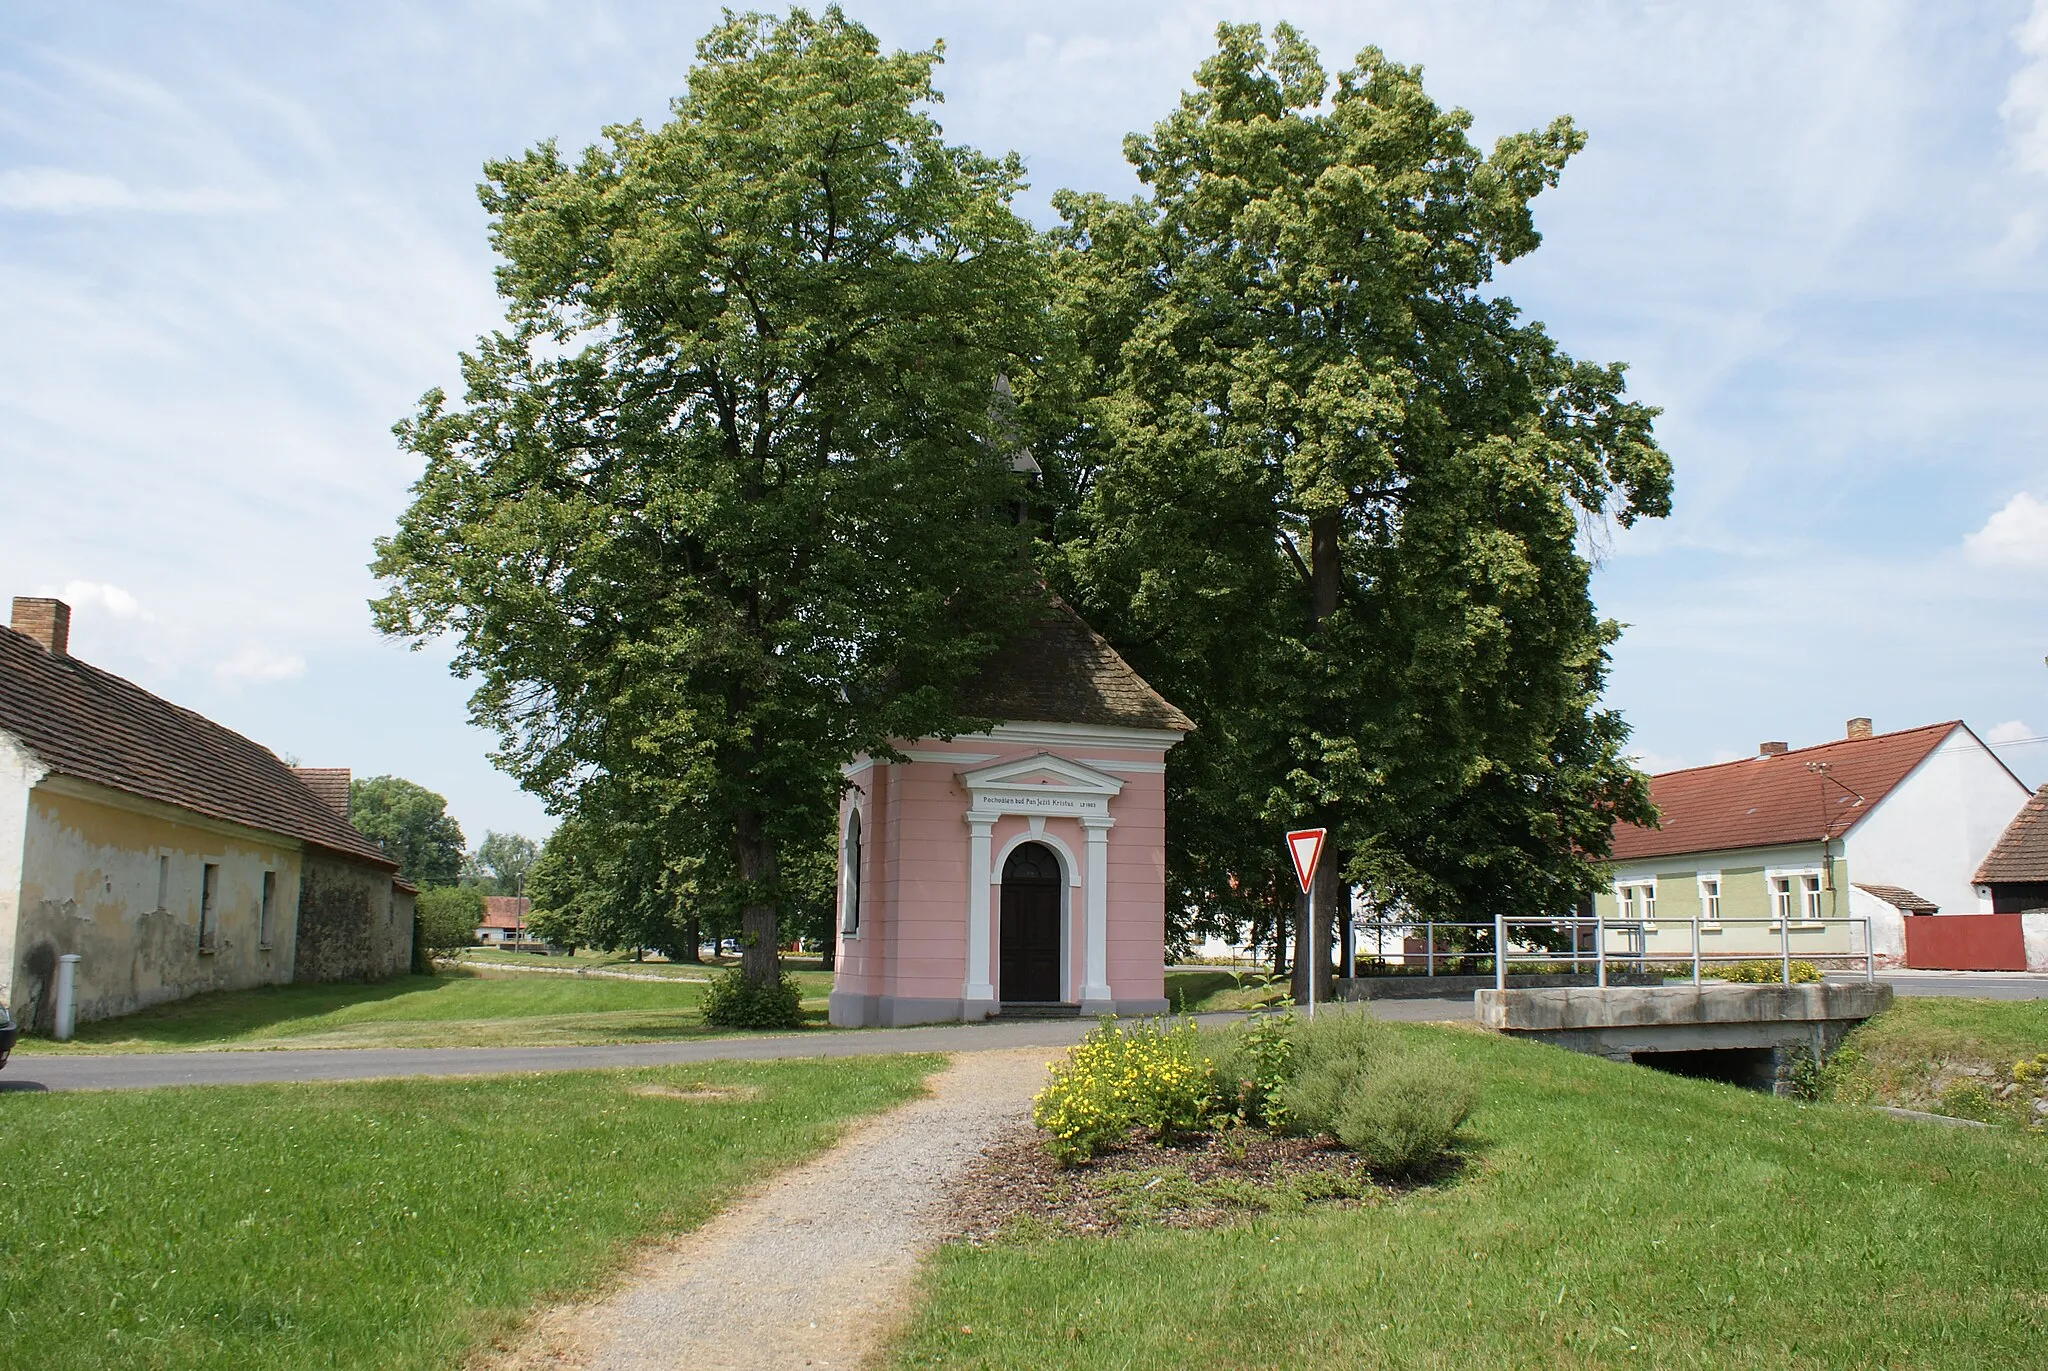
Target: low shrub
x=1968 y=1100
x=1121 y=1078
x=1331 y=1054
x=733 y=1001
x=1253 y=1061
x=1401 y=1115
x=1762 y=972
x=446 y=917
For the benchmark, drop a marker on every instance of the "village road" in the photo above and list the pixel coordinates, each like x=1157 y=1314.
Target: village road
x=146 y=1070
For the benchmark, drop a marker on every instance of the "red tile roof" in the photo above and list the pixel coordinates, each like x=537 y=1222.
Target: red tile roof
x=90 y=724
x=1770 y=801
x=505 y=911
x=2021 y=853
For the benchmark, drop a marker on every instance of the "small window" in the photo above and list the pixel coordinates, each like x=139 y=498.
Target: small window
x=1710 y=899
x=1781 y=898
x=1637 y=902
x=849 y=877
x=209 y=915
x=1809 y=890
x=163 y=882
x=269 y=904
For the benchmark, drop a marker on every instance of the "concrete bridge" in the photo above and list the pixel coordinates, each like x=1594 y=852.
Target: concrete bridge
x=1745 y=1034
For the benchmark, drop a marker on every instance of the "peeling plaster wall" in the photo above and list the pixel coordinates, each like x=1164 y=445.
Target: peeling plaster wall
x=19 y=772
x=354 y=925
x=89 y=885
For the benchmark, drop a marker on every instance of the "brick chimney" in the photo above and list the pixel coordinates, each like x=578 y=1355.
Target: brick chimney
x=329 y=785
x=46 y=621
x=1858 y=728
x=1772 y=749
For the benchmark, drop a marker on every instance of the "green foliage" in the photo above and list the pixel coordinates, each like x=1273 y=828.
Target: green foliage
x=1400 y=1116
x=1121 y=1078
x=418 y=1220
x=1332 y=1053
x=1252 y=1065
x=1761 y=972
x=411 y=824
x=1968 y=1099
x=1326 y=489
x=729 y=500
x=501 y=862
x=447 y=917
x=733 y=1001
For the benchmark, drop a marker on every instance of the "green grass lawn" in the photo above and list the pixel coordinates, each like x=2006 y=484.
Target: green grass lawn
x=453 y=1009
x=1209 y=990
x=387 y=1224
x=1604 y=1216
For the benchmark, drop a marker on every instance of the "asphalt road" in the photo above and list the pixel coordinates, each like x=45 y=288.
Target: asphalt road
x=146 y=1070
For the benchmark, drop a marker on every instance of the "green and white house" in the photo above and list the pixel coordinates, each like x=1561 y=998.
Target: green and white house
x=1797 y=844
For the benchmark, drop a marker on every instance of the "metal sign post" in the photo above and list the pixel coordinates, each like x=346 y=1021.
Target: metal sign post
x=1305 y=847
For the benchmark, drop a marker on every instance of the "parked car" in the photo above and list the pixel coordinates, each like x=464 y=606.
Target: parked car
x=8 y=1033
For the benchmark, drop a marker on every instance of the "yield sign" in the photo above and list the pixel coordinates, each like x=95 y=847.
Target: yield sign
x=1305 y=845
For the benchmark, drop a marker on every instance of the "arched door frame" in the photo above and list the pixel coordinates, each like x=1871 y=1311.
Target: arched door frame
x=1070 y=881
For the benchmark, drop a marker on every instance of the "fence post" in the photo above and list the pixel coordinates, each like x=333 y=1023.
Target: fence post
x=1869 y=953
x=1429 y=946
x=1600 y=946
x=1500 y=952
x=1785 y=942
x=1695 y=954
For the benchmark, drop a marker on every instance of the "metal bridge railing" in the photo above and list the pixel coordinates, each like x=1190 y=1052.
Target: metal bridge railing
x=1590 y=936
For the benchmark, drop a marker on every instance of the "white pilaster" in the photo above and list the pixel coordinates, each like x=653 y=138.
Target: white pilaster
x=979 y=992
x=1095 y=993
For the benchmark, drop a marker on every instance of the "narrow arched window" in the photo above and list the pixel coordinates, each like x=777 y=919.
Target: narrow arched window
x=849 y=876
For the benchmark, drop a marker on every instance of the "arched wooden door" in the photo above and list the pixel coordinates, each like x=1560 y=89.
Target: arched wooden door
x=1029 y=966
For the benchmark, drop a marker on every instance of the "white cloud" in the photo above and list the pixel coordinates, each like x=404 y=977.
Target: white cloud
x=2011 y=731
x=90 y=595
x=53 y=190
x=2026 y=96
x=2016 y=536
x=257 y=665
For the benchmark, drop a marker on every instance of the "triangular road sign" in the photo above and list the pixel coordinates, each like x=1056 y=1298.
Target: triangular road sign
x=1305 y=845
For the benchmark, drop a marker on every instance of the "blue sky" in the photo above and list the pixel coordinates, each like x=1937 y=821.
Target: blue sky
x=237 y=242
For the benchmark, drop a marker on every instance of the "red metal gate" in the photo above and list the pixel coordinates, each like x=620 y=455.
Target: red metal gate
x=1965 y=942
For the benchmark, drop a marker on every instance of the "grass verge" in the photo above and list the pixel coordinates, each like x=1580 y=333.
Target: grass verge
x=382 y=1224
x=1948 y=1056
x=459 y=1008
x=1209 y=990
x=1604 y=1215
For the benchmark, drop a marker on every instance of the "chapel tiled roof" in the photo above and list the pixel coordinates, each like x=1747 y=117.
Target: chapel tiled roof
x=1898 y=897
x=1060 y=671
x=1766 y=801
x=2021 y=853
x=86 y=723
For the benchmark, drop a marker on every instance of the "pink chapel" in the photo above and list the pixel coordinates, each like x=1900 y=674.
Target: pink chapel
x=1024 y=867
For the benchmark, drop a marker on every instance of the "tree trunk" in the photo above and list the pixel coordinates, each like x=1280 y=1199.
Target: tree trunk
x=760 y=934
x=828 y=953
x=693 y=939
x=1279 y=943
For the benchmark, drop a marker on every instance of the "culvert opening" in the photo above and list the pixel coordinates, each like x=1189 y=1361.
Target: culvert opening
x=1753 y=1068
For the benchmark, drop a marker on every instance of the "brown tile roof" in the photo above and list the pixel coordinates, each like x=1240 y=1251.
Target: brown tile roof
x=2021 y=852
x=1060 y=671
x=86 y=723
x=1898 y=897
x=1767 y=801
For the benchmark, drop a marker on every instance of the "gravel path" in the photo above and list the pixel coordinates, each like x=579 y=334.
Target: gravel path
x=813 y=1269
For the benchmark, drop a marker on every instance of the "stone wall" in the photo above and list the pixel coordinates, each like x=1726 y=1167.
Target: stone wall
x=354 y=925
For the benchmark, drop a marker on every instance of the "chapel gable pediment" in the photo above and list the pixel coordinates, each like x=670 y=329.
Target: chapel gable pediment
x=1044 y=772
